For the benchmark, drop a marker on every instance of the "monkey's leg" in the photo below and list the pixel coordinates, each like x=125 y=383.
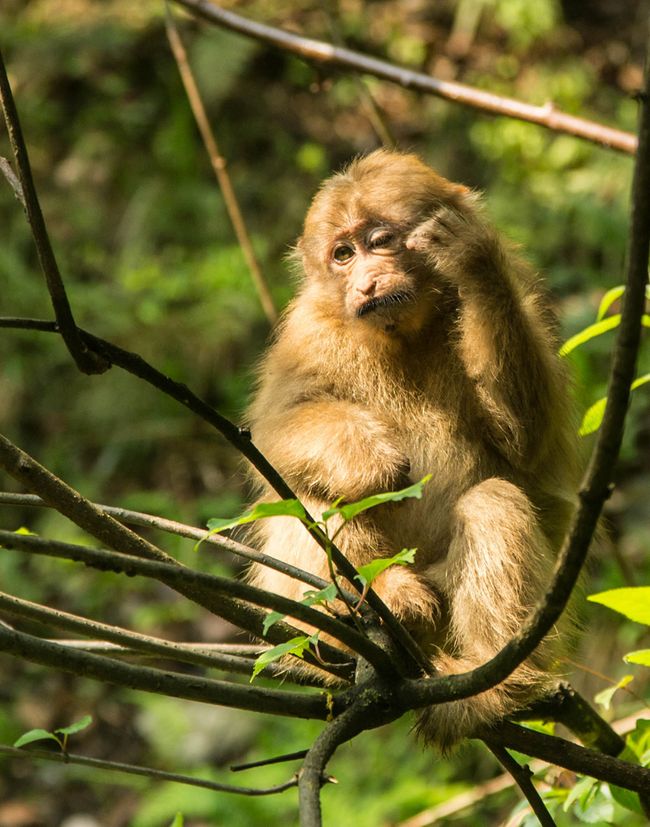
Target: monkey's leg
x=498 y=564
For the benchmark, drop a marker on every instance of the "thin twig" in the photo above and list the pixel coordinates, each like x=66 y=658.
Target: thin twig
x=148 y=772
x=86 y=360
x=219 y=167
x=265 y=762
x=522 y=776
x=337 y=57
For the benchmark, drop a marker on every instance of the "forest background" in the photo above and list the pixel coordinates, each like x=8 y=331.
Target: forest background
x=151 y=262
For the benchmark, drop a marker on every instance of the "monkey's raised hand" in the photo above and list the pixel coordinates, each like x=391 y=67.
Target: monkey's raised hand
x=457 y=243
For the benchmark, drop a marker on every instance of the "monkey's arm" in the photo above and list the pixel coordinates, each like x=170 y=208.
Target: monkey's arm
x=329 y=448
x=504 y=330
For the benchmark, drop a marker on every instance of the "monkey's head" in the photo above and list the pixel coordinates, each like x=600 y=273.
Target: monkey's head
x=353 y=247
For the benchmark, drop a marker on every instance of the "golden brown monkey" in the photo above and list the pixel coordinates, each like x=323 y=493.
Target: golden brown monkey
x=420 y=343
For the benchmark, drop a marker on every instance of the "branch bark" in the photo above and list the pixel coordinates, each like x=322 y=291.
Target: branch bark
x=86 y=360
x=337 y=57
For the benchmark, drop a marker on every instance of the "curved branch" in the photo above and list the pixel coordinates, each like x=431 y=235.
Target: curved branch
x=148 y=772
x=566 y=754
x=336 y=56
x=85 y=359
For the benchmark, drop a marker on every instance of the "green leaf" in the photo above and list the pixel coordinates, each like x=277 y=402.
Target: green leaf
x=641 y=656
x=296 y=646
x=311 y=598
x=283 y=508
x=372 y=570
x=78 y=726
x=351 y=510
x=631 y=601
x=178 y=821
x=594 y=415
x=596 y=329
x=36 y=735
x=604 y=698
x=608 y=300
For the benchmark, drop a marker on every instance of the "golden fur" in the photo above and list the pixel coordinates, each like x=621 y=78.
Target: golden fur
x=420 y=343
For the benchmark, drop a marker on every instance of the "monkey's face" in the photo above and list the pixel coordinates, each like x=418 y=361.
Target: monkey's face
x=380 y=283
x=354 y=246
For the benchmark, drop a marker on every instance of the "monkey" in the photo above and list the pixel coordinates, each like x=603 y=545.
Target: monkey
x=420 y=342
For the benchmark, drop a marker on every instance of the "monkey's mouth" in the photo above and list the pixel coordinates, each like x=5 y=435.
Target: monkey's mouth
x=381 y=302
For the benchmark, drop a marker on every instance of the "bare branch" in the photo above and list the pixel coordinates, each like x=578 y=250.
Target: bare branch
x=522 y=776
x=325 y=53
x=85 y=359
x=126 y=515
x=119 y=641
x=164 y=682
x=565 y=754
x=148 y=772
x=219 y=167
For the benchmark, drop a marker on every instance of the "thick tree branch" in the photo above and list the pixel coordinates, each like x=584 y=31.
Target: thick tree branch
x=85 y=359
x=338 y=57
x=565 y=754
x=162 y=682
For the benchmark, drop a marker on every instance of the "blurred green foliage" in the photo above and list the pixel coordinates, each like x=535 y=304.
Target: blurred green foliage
x=150 y=261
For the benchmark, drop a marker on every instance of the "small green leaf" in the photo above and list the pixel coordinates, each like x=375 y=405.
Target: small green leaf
x=78 y=726
x=641 y=656
x=270 y=619
x=596 y=329
x=325 y=595
x=283 y=508
x=608 y=300
x=631 y=601
x=178 y=821
x=372 y=570
x=351 y=510
x=25 y=531
x=311 y=598
x=594 y=415
x=604 y=698
x=296 y=646
x=36 y=735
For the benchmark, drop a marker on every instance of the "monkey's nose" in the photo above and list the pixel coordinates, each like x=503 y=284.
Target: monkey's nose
x=367 y=288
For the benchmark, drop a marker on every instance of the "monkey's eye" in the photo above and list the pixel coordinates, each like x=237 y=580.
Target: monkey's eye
x=380 y=237
x=343 y=253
